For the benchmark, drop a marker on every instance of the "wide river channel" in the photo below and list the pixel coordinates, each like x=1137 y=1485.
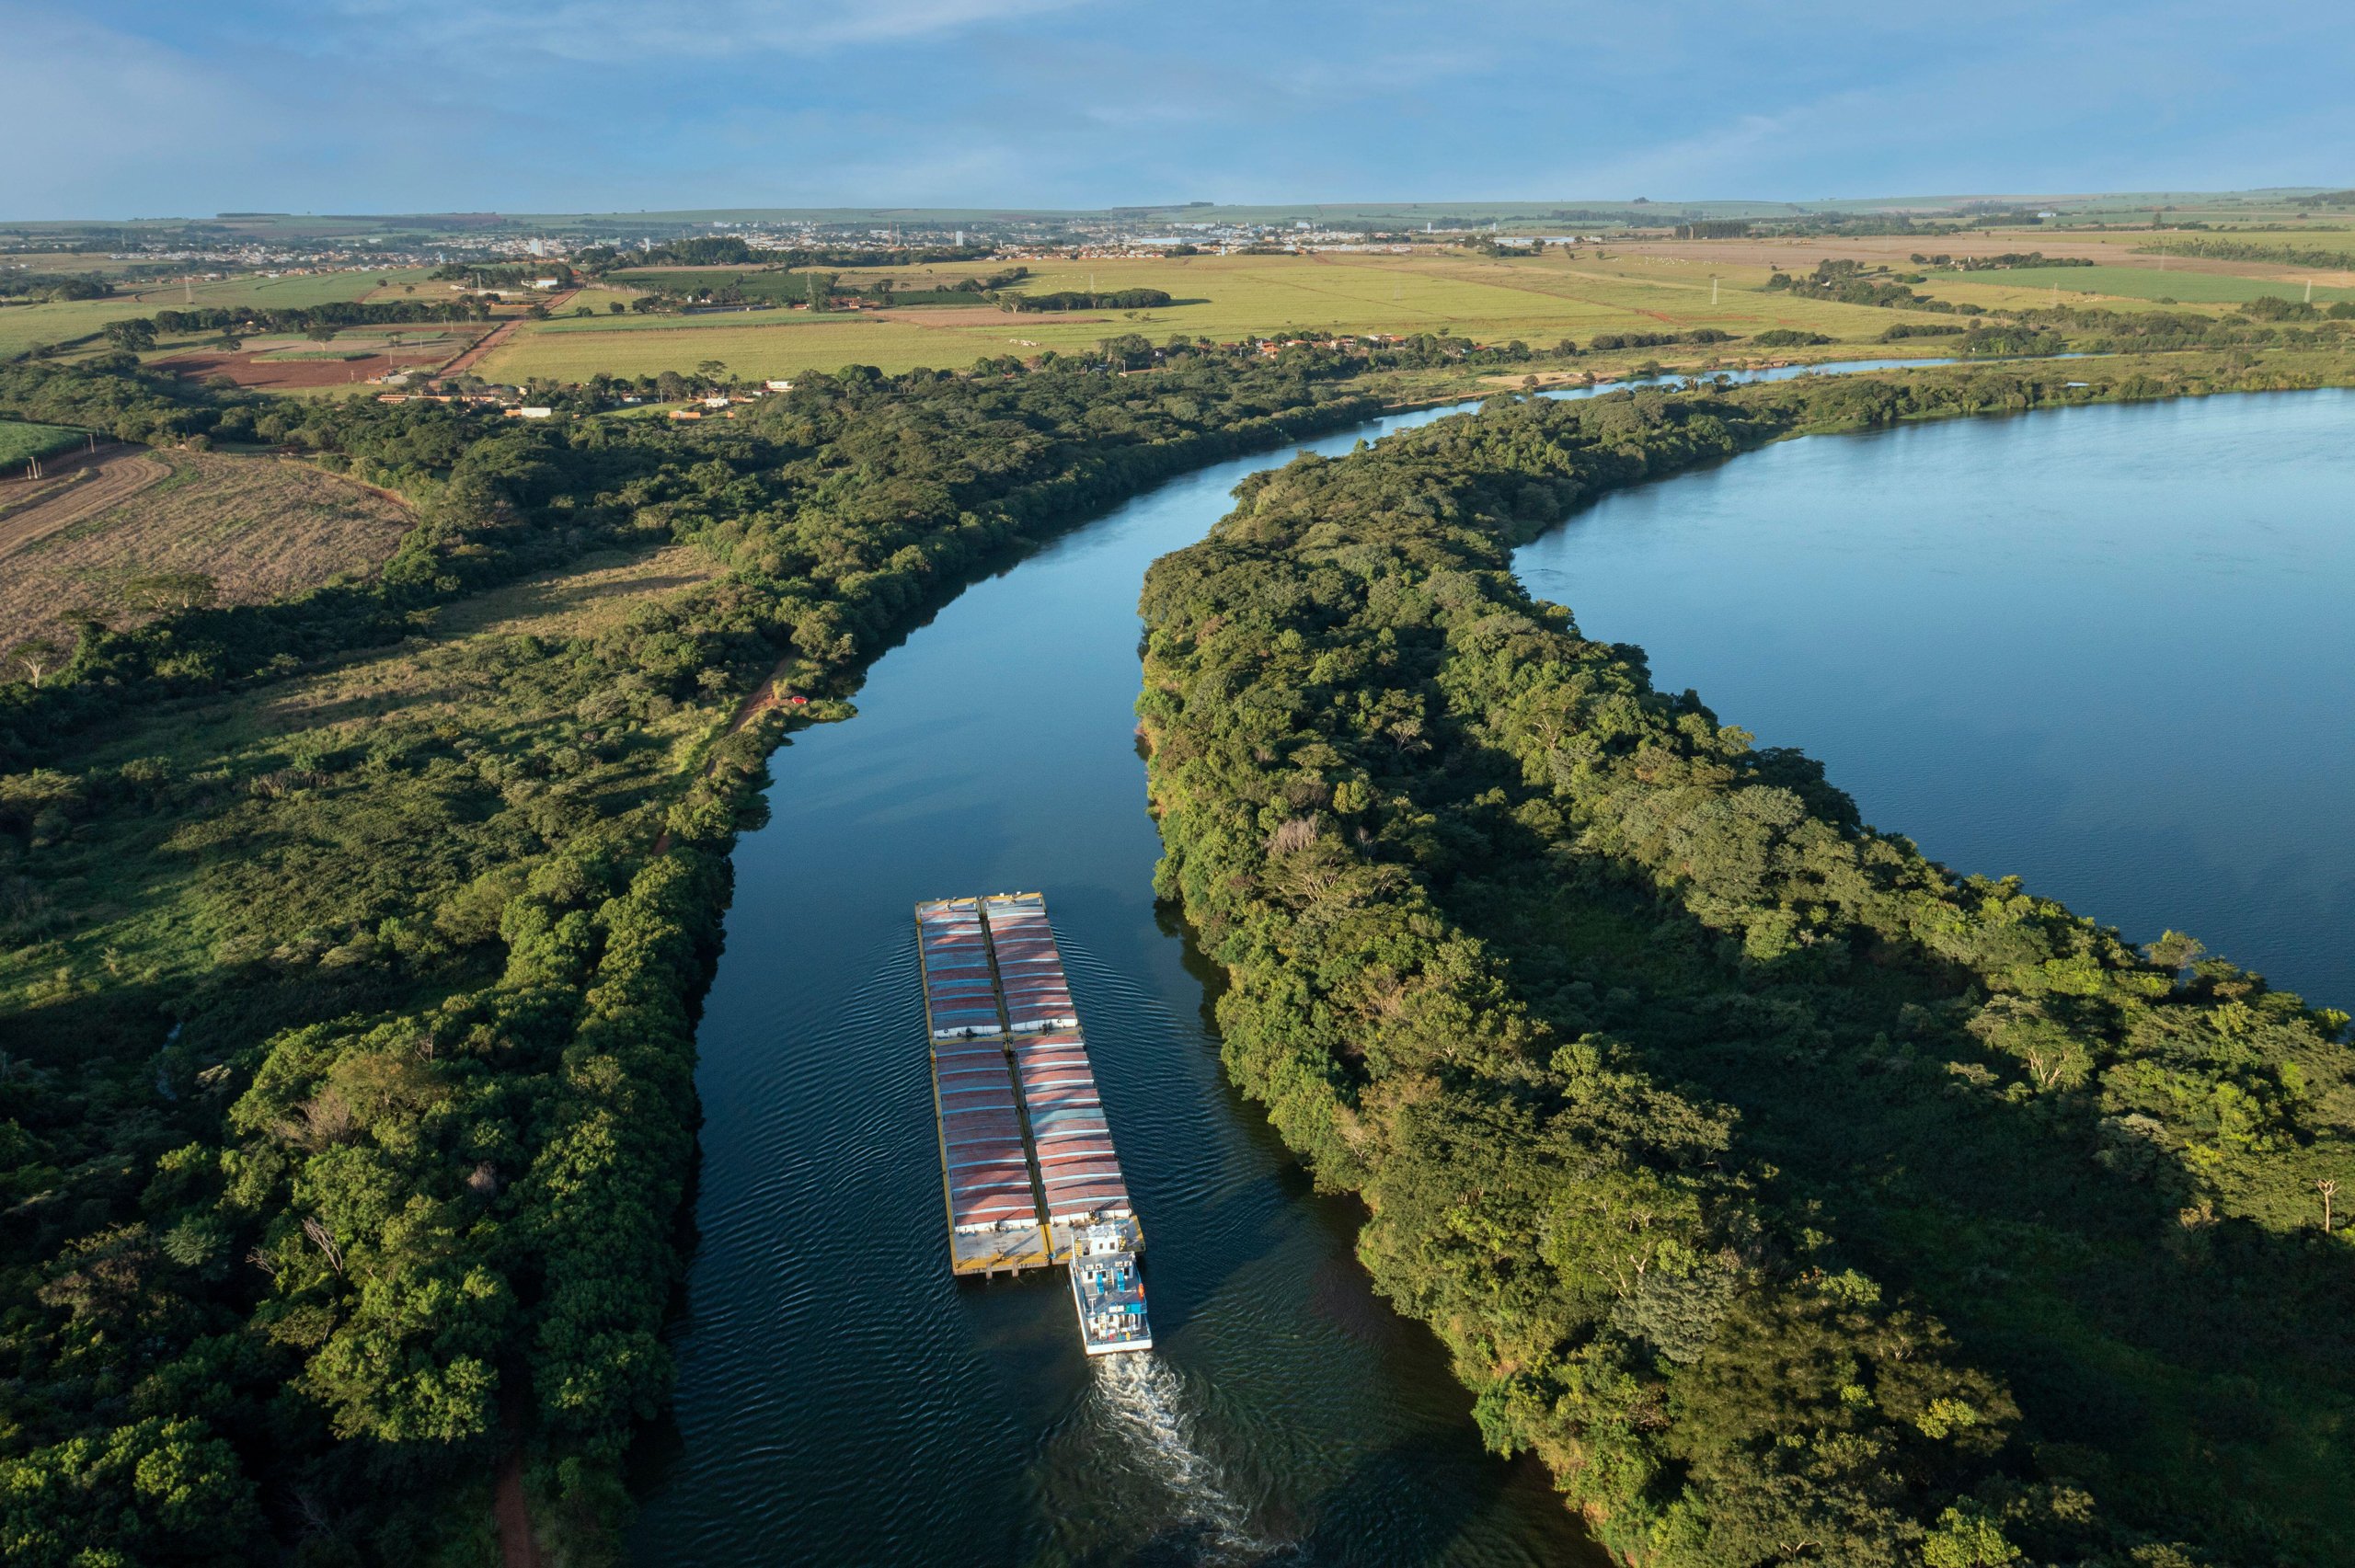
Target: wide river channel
x=2105 y=648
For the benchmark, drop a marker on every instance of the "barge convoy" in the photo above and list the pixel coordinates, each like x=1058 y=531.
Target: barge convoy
x=1026 y=1156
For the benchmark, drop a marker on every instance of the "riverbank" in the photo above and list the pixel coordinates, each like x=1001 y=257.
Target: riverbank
x=1517 y=944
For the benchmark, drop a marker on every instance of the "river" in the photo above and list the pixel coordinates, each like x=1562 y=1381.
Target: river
x=2104 y=649
x=841 y=1400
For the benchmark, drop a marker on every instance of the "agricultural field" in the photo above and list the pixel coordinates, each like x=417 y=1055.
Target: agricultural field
x=288 y=363
x=1537 y=300
x=20 y=441
x=136 y=532
x=294 y=291
x=596 y=298
x=2124 y=287
x=24 y=327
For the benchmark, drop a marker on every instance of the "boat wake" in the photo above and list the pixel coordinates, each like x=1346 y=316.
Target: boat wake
x=1142 y=1402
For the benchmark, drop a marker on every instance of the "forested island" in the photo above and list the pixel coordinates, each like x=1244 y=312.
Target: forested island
x=1793 y=1197
x=355 y=941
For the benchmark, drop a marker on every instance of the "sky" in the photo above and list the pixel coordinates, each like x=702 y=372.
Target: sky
x=157 y=107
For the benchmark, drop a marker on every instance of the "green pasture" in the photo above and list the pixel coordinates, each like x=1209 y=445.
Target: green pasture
x=22 y=327
x=595 y=298
x=290 y=292
x=2029 y=286
x=752 y=282
x=19 y=441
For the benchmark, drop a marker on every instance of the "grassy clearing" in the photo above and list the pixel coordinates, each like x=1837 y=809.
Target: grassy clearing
x=161 y=912
x=19 y=441
x=251 y=528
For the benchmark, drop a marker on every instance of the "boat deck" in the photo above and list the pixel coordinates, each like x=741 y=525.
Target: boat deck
x=1029 y=1175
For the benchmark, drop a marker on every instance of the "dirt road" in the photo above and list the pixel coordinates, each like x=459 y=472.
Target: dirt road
x=498 y=335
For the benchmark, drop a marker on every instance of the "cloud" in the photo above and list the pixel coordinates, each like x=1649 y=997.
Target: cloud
x=595 y=105
x=629 y=31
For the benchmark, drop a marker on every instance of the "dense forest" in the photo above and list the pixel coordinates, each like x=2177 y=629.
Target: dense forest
x=345 y=1047
x=1795 y=1198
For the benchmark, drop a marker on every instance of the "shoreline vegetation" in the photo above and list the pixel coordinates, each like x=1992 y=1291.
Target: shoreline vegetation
x=1771 y=1183
x=349 y=1003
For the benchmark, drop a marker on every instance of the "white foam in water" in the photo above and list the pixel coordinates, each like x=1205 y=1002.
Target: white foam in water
x=1144 y=1403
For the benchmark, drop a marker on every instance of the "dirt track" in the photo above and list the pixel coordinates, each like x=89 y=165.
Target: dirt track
x=498 y=335
x=518 y=1547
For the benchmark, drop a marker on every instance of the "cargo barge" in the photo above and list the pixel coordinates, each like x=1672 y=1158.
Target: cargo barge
x=1028 y=1170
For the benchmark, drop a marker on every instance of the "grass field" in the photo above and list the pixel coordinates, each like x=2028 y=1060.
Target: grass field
x=293 y=292
x=597 y=298
x=260 y=528
x=19 y=441
x=22 y=327
x=1537 y=300
x=2031 y=286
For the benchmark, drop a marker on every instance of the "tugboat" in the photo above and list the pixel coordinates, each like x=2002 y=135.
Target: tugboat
x=1110 y=1297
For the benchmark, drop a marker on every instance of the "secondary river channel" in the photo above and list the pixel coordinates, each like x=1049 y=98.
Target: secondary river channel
x=841 y=1400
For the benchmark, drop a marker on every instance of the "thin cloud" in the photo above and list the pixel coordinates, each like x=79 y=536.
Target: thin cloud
x=594 y=105
x=623 y=32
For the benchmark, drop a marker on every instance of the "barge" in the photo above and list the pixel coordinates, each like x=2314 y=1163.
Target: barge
x=1028 y=1170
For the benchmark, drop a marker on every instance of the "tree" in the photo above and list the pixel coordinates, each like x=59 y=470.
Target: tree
x=2329 y=1187
x=321 y=332
x=159 y=1491
x=137 y=334
x=228 y=342
x=712 y=370
x=35 y=656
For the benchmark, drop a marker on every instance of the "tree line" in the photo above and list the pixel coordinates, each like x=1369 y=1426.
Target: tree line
x=727 y=250
x=2256 y=250
x=1070 y=299
x=44 y=287
x=1794 y=1197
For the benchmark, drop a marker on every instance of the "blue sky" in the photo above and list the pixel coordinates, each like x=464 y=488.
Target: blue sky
x=151 y=108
